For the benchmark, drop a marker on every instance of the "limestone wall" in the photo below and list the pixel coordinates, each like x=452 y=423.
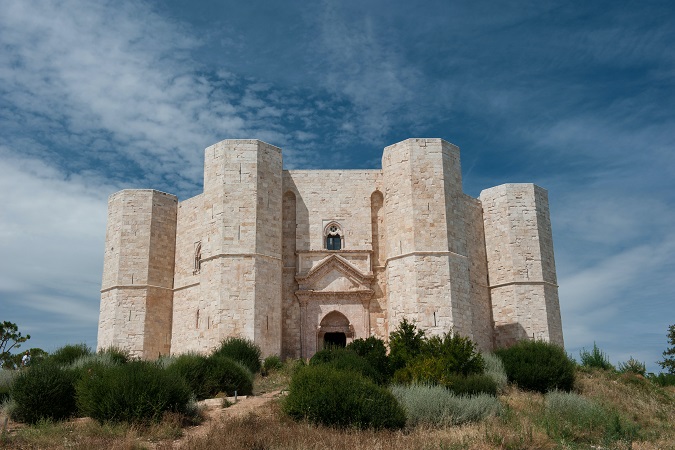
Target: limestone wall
x=136 y=294
x=427 y=276
x=323 y=196
x=521 y=266
x=481 y=307
x=237 y=223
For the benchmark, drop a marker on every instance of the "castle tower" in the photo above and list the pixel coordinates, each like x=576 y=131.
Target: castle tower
x=136 y=295
x=241 y=249
x=426 y=248
x=521 y=268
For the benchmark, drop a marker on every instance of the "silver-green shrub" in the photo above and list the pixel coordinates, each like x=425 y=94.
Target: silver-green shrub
x=494 y=368
x=436 y=405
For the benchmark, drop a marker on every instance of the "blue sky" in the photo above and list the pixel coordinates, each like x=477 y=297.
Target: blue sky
x=574 y=96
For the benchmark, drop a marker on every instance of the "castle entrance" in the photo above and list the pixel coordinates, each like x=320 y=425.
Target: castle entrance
x=334 y=340
x=334 y=330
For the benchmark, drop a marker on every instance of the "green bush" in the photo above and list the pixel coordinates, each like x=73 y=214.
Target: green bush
x=448 y=360
x=44 y=392
x=538 y=366
x=633 y=366
x=194 y=369
x=662 y=379
x=374 y=351
x=459 y=354
x=68 y=354
x=227 y=375
x=595 y=359
x=474 y=384
x=242 y=350
x=570 y=417
x=324 y=395
x=436 y=405
x=116 y=355
x=271 y=363
x=139 y=391
x=494 y=368
x=343 y=359
x=405 y=344
x=6 y=379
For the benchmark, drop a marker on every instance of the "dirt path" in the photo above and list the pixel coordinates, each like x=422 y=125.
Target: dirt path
x=214 y=414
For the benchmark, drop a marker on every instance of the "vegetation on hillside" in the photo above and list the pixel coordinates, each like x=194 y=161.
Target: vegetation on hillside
x=358 y=396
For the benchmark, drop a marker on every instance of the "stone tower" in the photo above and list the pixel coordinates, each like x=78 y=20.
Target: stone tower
x=426 y=248
x=137 y=291
x=522 y=276
x=232 y=232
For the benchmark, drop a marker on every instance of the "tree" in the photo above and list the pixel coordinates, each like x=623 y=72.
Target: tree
x=10 y=338
x=668 y=362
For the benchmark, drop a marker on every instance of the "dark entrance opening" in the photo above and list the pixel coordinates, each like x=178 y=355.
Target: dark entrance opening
x=334 y=340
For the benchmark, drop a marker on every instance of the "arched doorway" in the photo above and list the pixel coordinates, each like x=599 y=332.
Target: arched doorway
x=334 y=339
x=334 y=330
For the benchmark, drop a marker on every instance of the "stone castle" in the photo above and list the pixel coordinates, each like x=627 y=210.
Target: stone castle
x=295 y=259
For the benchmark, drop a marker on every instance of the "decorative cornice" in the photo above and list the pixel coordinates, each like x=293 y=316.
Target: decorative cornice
x=308 y=295
x=511 y=283
x=302 y=252
x=186 y=286
x=134 y=286
x=241 y=255
x=431 y=253
x=338 y=262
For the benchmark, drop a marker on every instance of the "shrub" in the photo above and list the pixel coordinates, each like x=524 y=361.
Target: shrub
x=6 y=379
x=446 y=360
x=342 y=359
x=227 y=375
x=44 y=392
x=194 y=369
x=596 y=359
x=633 y=366
x=405 y=344
x=570 y=417
x=116 y=355
x=242 y=350
x=458 y=353
x=68 y=354
x=663 y=379
x=323 y=395
x=374 y=351
x=436 y=405
x=139 y=391
x=494 y=368
x=271 y=363
x=471 y=384
x=538 y=366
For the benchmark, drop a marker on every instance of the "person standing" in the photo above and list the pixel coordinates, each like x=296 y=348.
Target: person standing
x=25 y=360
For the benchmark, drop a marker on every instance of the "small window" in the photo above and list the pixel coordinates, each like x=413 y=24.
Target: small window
x=333 y=237
x=198 y=259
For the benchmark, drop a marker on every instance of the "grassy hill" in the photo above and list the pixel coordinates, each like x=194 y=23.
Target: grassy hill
x=606 y=410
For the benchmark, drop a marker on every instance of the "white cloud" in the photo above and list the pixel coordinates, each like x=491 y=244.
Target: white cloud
x=52 y=230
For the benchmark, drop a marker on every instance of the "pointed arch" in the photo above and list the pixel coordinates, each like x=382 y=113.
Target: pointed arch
x=333 y=236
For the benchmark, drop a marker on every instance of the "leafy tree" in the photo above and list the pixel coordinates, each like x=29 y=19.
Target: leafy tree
x=668 y=362
x=405 y=343
x=10 y=338
x=595 y=359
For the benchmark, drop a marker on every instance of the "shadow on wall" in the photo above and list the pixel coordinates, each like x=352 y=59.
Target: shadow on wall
x=505 y=335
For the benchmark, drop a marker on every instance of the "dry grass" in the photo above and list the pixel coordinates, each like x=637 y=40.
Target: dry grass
x=520 y=426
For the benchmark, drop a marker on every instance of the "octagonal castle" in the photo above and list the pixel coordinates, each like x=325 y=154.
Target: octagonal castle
x=295 y=259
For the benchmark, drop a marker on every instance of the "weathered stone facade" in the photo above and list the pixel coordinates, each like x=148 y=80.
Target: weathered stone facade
x=292 y=259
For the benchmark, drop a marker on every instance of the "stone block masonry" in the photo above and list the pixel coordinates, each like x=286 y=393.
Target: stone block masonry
x=295 y=260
